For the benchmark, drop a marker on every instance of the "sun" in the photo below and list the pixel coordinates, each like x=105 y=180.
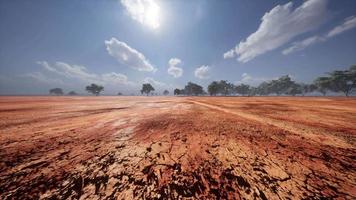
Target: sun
x=152 y=15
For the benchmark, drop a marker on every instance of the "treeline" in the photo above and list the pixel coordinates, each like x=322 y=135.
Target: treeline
x=336 y=81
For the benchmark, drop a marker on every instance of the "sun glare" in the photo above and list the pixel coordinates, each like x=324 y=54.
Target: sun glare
x=152 y=15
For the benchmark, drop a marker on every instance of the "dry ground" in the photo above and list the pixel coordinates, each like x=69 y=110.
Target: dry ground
x=177 y=148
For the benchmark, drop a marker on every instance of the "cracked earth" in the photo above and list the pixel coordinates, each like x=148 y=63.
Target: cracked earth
x=177 y=148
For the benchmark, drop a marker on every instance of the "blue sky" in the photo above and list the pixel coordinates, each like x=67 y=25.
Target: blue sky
x=124 y=43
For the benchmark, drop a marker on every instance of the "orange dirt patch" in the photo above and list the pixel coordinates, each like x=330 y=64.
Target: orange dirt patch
x=177 y=148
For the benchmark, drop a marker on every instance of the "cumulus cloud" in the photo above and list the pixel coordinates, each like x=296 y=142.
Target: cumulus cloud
x=115 y=78
x=69 y=71
x=229 y=54
x=146 y=12
x=154 y=82
x=128 y=55
x=173 y=69
x=349 y=23
x=80 y=73
x=279 y=26
x=251 y=80
x=40 y=77
x=202 y=72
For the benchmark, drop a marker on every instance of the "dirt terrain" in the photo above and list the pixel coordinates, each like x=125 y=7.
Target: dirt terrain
x=177 y=148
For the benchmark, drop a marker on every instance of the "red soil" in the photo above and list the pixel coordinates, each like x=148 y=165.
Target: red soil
x=177 y=148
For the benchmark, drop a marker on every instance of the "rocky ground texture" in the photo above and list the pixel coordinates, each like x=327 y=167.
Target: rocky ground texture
x=177 y=148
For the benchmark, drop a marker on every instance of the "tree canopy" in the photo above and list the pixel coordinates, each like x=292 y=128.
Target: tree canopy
x=72 y=93
x=147 y=88
x=193 y=89
x=94 y=89
x=56 y=91
x=165 y=92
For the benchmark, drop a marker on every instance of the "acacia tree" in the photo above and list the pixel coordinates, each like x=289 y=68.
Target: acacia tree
x=225 y=87
x=322 y=84
x=295 y=89
x=177 y=91
x=147 y=88
x=193 y=89
x=94 y=89
x=165 y=92
x=343 y=81
x=242 y=89
x=72 y=93
x=56 y=91
x=213 y=88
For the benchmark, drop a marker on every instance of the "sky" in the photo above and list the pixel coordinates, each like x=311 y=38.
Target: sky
x=122 y=44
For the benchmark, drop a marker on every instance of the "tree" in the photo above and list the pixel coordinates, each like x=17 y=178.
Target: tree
x=193 y=89
x=225 y=87
x=165 y=92
x=119 y=94
x=322 y=84
x=94 y=89
x=147 y=88
x=295 y=89
x=263 y=88
x=306 y=88
x=56 y=91
x=343 y=81
x=72 y=93
x=213 y=88
x=281 y=85
x=242 y=89
x=177 y=91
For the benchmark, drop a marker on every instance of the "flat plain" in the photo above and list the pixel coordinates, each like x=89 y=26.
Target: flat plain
x=177 y=147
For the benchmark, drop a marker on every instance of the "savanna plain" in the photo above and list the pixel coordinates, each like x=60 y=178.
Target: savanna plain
x=177 y=147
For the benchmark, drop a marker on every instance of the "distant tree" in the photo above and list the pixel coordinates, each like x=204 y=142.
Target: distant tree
x=225 y=88
x=147 y=88
x=312 y=87
x=72 y=93
x=56 y=91
x=323 y=84
x=282 y=84
x=213 y=88
x=176 y=91
x=343 y=81
x=94 y=89
x=193 y=89
x=295 y=89
x=242 y=89
x=165 y=92
x=307 y=88
x=264 y=88
x=119 y=94
x=182 y=92
x=253 y=91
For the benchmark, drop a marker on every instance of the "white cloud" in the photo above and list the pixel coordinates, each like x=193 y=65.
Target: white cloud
x=173 y=69
x=229 y=54
x=202 y=72
x=147 y=12
x=115 y=78
x=279 y=26
x=248 y=79
x=297 y=46
x=154 y=82
x=69 y=71
x=40 y=77
x=80 y=73
x=128 y=55
x=348 y=24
